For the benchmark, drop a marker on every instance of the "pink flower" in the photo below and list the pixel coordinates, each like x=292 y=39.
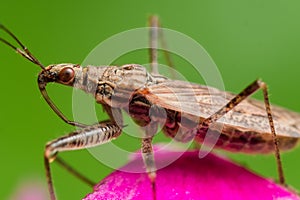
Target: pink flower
x=189 y=177
x=30 y=190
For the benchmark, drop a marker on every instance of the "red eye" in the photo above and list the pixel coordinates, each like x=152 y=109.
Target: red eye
x=66 y=74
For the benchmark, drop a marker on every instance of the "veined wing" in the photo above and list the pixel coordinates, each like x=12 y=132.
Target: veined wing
x=203 y=101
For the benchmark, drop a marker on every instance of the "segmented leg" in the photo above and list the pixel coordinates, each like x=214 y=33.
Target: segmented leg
x=115 y=114
x=156 y=33
x=253 y=87
x=148 y=157
x=153 y=23
x=165 y=47
x=87 y=137
x=147 y=150
x=70 y=169
x=55 y=109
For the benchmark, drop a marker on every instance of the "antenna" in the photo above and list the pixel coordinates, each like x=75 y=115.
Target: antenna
x=23 y=51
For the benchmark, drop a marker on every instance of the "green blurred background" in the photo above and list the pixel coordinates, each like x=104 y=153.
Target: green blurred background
x=246 y=39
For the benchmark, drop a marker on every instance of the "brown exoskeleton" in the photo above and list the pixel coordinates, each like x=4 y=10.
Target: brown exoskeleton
x=184 y=111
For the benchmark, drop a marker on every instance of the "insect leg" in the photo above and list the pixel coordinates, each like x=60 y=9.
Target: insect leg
x=253 y=87
x=87 y=137
x=56 y=110
x=148 y=157
x=156 y=33
x=153 y=23
x=165 y=48
x=115 y=114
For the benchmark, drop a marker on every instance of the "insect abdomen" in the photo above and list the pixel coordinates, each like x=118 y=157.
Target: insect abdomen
x=236 y=139
x=185 y=128
x=251 y=142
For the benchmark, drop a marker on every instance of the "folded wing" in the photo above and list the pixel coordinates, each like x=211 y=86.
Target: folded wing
x=203 y=101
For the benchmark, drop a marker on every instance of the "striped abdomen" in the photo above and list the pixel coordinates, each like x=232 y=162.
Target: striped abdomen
x=185 y=128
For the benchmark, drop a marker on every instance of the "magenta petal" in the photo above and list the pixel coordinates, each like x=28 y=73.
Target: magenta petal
x=30 y=190
x=189 y=177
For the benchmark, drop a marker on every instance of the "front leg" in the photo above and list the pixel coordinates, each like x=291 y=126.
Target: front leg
x=89 y=136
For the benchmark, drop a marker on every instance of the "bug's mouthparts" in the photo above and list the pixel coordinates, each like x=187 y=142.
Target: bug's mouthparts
x=45 y=77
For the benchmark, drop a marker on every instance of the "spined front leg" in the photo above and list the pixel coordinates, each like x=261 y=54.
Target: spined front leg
x=89 y=136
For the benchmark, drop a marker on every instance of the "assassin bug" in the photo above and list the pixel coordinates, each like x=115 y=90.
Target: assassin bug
x=184 y=110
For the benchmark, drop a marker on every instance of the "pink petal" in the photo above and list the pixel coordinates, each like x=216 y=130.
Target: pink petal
x=30 y=190
x=189 y=177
